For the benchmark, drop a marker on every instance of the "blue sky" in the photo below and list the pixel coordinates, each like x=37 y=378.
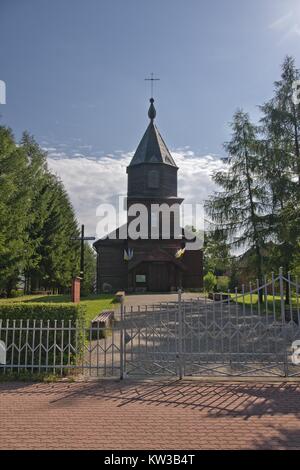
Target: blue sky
x=75 y=69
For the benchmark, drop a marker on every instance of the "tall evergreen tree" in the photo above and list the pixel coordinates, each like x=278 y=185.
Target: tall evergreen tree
x=240 y=208
x=59 y=254
x=14 y=210
x=37 y=221
x=281 y=151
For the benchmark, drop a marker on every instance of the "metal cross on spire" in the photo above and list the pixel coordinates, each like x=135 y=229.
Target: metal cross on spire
x=152 y=79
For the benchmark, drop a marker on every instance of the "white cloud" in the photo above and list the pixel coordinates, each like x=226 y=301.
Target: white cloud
x=282 y=22
x=90 y=182
x=288 y=25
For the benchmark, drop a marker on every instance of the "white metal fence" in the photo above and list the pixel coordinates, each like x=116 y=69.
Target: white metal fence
x=60 y=347
x=253 y=332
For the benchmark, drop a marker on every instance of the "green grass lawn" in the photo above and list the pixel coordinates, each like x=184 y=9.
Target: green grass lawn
x=93 y=304
x=267 y=304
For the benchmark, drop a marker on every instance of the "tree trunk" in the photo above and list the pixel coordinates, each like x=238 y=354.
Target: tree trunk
x=253 y=218
x=297 y=146
x=9 y=288
x=287 y=286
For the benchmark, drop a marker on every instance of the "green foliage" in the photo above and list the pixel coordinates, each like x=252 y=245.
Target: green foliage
x=37 y=220
x=258 y=204
x=210 y=282
x=92 y=304
x=281 y=131
x=89 y=271
x=35 y=327
x=41 y=311
x=15 y=214
x=241 y=208
x=216 y=252
x=223 y=283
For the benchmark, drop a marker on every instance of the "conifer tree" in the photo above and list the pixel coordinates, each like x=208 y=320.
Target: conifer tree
x=281 y=171
x=14 y=210
x=240 y=208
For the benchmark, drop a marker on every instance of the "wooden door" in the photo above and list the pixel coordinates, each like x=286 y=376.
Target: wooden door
x=159 y=277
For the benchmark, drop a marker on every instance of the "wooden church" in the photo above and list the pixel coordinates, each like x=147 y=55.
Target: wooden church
x=153 y=265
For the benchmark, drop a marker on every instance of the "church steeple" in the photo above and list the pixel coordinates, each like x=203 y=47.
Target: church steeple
x=152 y=172
x=152 y=148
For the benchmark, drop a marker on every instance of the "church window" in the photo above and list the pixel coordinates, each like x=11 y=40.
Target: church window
x=153 y=179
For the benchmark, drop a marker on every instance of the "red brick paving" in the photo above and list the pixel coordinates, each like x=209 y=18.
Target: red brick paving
x=149 y=415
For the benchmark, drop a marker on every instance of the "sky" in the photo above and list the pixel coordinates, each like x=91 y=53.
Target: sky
x=75 y=69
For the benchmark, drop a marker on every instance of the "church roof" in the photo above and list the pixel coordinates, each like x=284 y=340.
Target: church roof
x=152 y=148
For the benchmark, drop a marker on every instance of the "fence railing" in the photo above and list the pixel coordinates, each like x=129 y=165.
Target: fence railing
x=246 y=332
x=60 y=347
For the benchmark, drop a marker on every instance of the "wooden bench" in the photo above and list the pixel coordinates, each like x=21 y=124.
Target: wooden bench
x=101 y=322
x=104 y=319
x=119 y=295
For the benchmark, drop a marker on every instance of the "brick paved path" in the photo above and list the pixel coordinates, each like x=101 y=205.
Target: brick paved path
x=149 y=415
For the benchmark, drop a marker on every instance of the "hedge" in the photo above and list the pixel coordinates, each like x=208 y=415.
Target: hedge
x=41 y=311
x=37 y=335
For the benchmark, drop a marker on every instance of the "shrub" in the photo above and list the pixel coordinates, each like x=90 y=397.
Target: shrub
x=42 y=335
x=210 y=282
x=222 y=283
x=41 y=311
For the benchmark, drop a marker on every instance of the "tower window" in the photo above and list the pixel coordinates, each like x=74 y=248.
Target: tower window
x=153 y=179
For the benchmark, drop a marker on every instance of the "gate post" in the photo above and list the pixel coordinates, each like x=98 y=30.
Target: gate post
x=282 y=309
x=180 y=335
x=122 y=342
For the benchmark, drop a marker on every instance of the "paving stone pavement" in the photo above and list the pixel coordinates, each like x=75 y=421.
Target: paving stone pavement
x=160 y=414
x=140 y=300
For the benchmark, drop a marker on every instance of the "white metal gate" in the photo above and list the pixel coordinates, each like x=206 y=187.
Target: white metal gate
x=228 y=335
x=246 y=333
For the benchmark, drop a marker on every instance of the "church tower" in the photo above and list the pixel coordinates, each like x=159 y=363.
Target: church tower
x=152 y=175
x=148 y=261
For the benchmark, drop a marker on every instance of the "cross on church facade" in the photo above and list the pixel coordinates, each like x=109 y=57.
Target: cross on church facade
x=152 y=79
x=82 y=239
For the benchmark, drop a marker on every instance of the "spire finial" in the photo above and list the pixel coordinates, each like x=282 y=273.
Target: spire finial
x=152 y=110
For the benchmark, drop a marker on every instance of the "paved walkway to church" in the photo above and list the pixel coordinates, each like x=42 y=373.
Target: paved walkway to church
x=136 y=300
x=150 y=415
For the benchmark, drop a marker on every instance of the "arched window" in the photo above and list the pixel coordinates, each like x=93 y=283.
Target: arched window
x=153 y=179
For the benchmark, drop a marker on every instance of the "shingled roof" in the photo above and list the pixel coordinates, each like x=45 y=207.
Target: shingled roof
x=152 y=148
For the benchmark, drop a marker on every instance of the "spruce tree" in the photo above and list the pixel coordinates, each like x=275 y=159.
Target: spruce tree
x=280 y=126
x=14 y=210
x=241 y=207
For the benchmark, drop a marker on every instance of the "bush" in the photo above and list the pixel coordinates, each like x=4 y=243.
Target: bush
x=210 y=282
x=42 y=336
x=41 y=311
x=222 y=283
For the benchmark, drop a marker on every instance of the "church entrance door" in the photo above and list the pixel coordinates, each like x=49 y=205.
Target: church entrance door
x=159 y=279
